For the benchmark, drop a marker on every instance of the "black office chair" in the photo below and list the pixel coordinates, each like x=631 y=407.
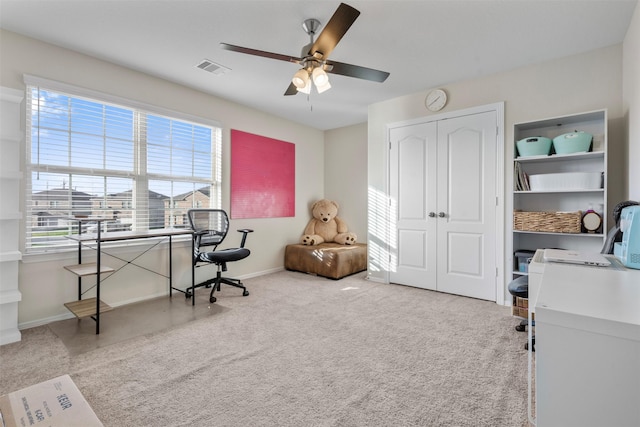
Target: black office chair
x=615 y=235
x=210 y=227
x=519 y=287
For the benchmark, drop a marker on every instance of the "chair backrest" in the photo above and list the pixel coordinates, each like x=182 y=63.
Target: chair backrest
x=210 y=226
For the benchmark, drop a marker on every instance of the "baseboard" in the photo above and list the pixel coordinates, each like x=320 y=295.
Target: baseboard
x=376 y=279
x=260 y=273
x=44 y=321
x=139 y=299
x=65 y=316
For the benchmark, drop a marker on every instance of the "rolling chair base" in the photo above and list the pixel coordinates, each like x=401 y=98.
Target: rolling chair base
x=522 y=327
x=533 y=344
x=214 y=284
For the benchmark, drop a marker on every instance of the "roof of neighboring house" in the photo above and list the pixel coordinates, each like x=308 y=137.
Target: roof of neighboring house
x=60 y=193
x=204 y=190
x=124 y=194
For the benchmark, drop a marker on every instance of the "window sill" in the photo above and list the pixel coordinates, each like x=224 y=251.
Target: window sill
x=120 y=247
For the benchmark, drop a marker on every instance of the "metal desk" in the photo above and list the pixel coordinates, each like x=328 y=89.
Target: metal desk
x=93 y=307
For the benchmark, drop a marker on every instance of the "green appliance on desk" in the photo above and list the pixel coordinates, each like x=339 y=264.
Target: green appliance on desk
x=628 y=251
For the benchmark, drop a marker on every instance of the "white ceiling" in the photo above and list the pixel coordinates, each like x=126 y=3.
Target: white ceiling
x=423 y=44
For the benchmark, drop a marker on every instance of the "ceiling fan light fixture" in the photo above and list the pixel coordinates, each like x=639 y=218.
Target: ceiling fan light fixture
x=324 y=87
x=306 y=89
x=300 y=78
x=320 y=77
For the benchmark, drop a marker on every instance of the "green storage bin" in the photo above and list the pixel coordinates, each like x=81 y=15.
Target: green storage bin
x=574 y=142
x=534 y=146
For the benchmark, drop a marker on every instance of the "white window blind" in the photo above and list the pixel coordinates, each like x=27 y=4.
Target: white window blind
x=91 y=159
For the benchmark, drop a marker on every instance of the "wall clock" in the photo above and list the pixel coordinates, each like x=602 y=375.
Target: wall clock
x=436 y=100
x=591 y=221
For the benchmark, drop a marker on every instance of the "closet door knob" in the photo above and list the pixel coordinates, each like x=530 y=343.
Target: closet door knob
x=432 y=214
x=442 y=215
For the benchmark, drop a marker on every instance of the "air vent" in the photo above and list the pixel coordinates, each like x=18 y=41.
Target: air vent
x=212 y=67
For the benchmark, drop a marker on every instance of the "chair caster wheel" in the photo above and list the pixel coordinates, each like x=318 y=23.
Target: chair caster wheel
x=521 y=328
x=245 y=293
x=187 y=295
x=212 y=299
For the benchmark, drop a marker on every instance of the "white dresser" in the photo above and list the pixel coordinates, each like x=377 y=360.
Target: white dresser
x=587 y=331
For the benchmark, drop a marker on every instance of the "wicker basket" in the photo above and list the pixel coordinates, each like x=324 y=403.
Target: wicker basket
x=553 y=222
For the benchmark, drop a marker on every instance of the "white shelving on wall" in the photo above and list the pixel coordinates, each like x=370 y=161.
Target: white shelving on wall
x=559 y=200
x=11 y=138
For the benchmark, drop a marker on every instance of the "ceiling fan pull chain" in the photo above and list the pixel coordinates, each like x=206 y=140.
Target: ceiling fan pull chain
x=310 y=103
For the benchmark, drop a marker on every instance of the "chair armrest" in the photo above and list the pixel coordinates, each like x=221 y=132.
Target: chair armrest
x=244 y=232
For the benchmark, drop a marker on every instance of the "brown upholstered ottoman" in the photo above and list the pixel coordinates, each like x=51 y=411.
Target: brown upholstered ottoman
x=326 y=259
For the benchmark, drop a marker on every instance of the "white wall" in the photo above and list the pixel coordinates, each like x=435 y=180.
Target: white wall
x=45 y=285
x=345 y=176
x=579 y=83
x=631 y=103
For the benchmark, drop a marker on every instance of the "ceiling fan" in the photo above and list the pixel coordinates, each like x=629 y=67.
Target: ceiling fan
x=314 y=56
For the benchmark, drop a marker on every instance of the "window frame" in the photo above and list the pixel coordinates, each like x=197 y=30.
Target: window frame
x=141 y=178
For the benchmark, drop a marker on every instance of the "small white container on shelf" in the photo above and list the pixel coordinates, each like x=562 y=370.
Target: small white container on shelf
x=566 y=181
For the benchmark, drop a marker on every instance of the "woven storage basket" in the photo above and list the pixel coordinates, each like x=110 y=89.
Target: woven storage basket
x=554 y=222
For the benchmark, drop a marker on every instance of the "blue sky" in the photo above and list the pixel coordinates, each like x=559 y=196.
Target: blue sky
x=95 y=138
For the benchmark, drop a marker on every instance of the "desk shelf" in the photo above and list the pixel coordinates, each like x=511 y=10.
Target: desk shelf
x=86 y=307
x=88 y=269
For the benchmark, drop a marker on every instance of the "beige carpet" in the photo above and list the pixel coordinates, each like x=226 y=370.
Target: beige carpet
x=300 y=351
x=131 y=321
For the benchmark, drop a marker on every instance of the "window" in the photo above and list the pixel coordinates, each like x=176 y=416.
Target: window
x=91 y=159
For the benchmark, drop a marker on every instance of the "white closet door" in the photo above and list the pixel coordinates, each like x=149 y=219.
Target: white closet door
x=443 y=201
x=413 y=163
x=467 y=201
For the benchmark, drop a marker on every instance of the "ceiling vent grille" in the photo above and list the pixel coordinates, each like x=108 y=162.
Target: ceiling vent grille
x=212 y=67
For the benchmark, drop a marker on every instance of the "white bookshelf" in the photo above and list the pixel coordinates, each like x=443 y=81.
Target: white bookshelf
x=558 y=200
x=11 y=138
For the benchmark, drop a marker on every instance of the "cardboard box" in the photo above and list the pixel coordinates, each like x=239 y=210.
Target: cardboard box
x=53 y=403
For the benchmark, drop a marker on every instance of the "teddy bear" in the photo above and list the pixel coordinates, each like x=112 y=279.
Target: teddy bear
x=325 y=226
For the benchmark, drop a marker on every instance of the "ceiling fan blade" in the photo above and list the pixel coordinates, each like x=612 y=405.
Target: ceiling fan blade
x=291 y=90
x=337 y=26
x=262 y=53
x=356 y=71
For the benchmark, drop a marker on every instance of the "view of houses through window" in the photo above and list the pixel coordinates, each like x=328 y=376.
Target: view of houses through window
x=132 y=169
